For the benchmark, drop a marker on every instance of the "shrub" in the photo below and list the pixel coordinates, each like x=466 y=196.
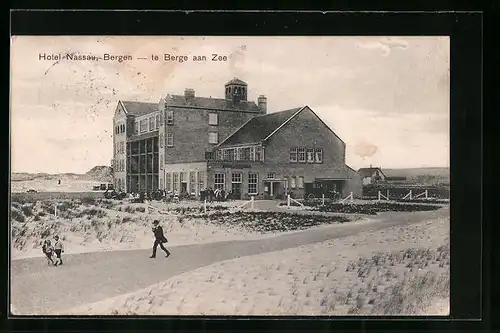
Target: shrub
x=374 y=208
x=264 y=222
x=16 y=215
x=88 y=200
x=27 y=210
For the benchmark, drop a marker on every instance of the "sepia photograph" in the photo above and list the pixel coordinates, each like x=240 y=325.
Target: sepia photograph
x=230 y=175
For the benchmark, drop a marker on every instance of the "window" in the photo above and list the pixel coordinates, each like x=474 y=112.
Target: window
x=246 y=154
x=285 y=185
x=122 y=147
x=253 y=179
x=143 y=125
x=271 y=175
x=136 y=128
x=192 y=182
x=157 y=121
x=310 y=155
x=292 y=182
x=123 y=128
x=161 y=118
x=170 y=139
x=168 y=182
x=213 y=119
x=218 y=155
x=302 y=155
x=300 y=182
x=151 y=123
x=293 y=154
x=228 y=154
x=161 y=140
x=170 y=117
x=258 y=153
x=238 y=154
x=236 y=177
x=319 y=155
x=213 y=137
x=183 y=177
x=219 y=181
x=175 y=184
x=201 y=180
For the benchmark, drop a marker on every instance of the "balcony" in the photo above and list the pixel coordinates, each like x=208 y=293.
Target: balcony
x=219 y=161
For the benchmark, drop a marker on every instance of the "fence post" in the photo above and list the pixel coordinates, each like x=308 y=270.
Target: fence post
x=352 y=197
x=55 y=210
x=410 y=195
x=387 y=195
x=426 y=194
x=252 y=204
x=323 y=199
x=205 y=206
x=288 y=200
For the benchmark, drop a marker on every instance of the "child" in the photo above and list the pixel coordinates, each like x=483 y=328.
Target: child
x=58 y=248
x=48 y=250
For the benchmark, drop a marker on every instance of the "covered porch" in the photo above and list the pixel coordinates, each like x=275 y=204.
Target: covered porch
x=274 y=187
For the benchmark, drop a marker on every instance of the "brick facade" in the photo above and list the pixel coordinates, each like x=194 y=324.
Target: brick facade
x=188 y=162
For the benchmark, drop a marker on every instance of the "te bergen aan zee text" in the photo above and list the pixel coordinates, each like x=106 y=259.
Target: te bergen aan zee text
x=121 y=58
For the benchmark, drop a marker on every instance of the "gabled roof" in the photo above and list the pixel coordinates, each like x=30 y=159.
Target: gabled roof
x=138 y=109
x=236 y=81
x=211 y=103
x=261 y=127
x=368 y=172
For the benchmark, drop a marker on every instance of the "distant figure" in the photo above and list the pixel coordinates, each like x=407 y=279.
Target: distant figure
x=59 y=249
x=211 y=194
x=159 y=239
x=48 y=250
x=58 y=182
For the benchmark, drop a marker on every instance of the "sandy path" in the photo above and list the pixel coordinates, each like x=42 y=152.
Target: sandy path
x=90 y=277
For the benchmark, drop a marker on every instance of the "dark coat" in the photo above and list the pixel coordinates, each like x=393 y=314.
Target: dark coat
x=159 y=236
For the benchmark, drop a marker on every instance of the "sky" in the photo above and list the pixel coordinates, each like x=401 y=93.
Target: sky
x=386 y=97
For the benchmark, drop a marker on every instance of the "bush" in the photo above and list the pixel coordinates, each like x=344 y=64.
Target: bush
x=374 y=208
x=16 y=215
x=264 y=222
x=88 y=201
x=27 y=210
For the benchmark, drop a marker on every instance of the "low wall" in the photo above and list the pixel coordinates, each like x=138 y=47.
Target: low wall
x=55 y=195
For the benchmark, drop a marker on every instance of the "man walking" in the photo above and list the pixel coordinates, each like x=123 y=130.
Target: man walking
x=159 y=239
x=58 y=249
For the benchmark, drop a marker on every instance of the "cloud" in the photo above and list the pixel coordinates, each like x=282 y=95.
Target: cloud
x=385 y=46
x=389 y=110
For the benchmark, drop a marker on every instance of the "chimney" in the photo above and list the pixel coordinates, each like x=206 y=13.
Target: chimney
x=262 y=103
x=188 y=93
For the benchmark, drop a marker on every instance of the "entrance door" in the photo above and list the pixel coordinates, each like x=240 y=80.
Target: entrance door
x=184 y=187
x=236 y=190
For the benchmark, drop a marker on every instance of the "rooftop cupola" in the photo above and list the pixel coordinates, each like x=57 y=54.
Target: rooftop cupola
x=236 y=90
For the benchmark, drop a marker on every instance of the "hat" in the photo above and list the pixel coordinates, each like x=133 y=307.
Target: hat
x=156 y=222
